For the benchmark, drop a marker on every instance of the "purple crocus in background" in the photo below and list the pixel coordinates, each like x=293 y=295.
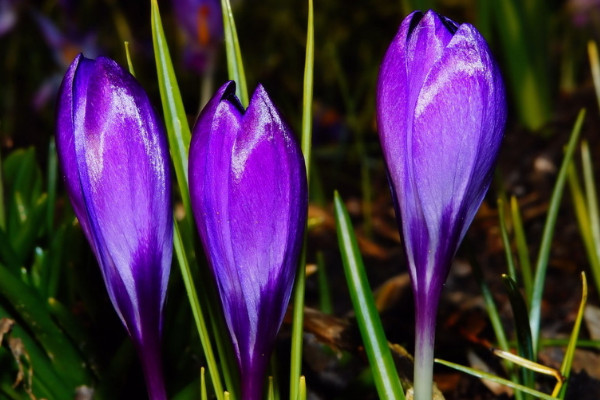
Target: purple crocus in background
x=202 y=24
x=441 y=113
x=8 y=15
x=114 y=157
x=249 y=196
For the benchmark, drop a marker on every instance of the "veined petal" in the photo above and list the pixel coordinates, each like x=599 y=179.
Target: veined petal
x=249 y=193
x=113 y=152
x=458 y=123
x=65 y=142
x=267 y=223
x=441 y=114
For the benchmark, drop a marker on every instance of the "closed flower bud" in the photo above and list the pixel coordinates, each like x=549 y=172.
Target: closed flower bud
x=441 y=113
x=114 y=157
x=249 y=196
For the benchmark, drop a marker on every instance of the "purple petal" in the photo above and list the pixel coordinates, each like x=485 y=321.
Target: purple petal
x=248 y=189
x=441 y=115
x=113 y=152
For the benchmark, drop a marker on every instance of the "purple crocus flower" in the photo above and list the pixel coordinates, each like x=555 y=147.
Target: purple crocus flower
x=8 y=15
x=202 y=23
x=249 y=195
x=441 y=112
x=114 y=157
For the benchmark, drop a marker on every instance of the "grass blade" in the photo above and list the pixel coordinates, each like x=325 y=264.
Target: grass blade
x=591 y=196
x=203 y=394
x=546 y=243
x=197 y=312
x=376 y=346
x=33 y=312
x=306 y=142
x=583 y=222
x=178 y=130
x=493 y=378
x=506 y=241
x=595 y=67
x=524 y=343
x=522 y=249
x=495 y=320
x=565 y=368
x=302 y=388
x=235 y=66
x=128 y=57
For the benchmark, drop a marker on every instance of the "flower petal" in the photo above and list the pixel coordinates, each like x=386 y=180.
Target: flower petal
x=248 y=189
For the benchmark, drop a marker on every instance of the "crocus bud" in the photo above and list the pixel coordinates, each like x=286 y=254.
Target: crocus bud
x=249 y=196
x=114 y=157
x=441 y=112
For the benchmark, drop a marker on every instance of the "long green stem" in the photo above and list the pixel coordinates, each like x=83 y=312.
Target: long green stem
x=425 y=313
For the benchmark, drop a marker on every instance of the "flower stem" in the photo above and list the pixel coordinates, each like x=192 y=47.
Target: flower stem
x=150 y=358
x=425 y=311
x=149 y=353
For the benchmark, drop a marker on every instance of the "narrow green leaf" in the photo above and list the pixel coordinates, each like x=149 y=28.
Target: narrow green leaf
x=307 y=93
x=306 y=144
x=23 y=240
x=583 y=222
x=8 y=256
x=65 y=358
x=522 y=249
x=45 y=378
x=565 y=368
x=235 y=66
x=524 y=343
x=525 y=57
x=178 y=130
x=36 y=270
x=591 y=195
x=298 y=323
x=67 y=322
x=490 y=306
x=595 y=67
x=274 y=376
x=546 y=243
x=270 y=390
x=512 y=272
x=376 y=346
x=495 y=320
x=203 y=393
x=493 y=378
x=53 y=263
x=128 y=56
x=186 y=274
x=302 y=388
x=24 y=188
